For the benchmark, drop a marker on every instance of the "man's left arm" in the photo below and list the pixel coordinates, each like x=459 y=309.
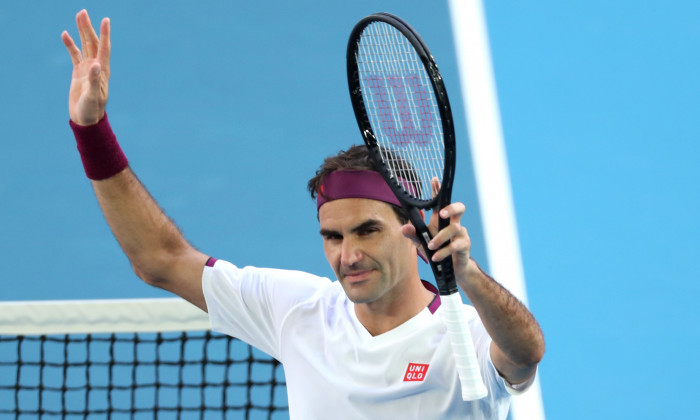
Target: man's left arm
x=518 y=342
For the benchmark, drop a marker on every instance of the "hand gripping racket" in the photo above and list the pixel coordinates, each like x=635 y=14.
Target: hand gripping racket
x=404 y=115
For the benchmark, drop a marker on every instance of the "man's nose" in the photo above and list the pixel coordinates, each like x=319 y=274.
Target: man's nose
x=350 y=253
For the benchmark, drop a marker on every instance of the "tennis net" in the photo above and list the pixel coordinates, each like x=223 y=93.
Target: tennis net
x=137 y=358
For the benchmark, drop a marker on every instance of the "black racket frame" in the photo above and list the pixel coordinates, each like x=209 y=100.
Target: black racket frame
x=443 y=270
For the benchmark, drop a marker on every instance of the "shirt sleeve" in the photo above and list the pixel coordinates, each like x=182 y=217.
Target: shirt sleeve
x=520 y=388
x=251 y=303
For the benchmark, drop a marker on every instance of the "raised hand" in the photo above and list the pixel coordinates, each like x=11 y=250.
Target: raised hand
x=459 y=245
x=452 y=240
x=89 y=88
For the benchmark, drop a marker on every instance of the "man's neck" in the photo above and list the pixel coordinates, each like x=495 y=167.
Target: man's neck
x=385 y=315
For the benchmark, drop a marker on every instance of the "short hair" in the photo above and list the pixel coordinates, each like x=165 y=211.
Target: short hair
x=355 y=158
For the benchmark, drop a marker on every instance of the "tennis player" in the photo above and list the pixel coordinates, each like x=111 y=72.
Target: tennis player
x=371 y=344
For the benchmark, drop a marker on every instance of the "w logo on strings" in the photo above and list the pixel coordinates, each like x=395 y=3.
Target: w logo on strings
x=403 y=108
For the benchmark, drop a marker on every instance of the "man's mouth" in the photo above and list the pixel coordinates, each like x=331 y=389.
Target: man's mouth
x=356 y=276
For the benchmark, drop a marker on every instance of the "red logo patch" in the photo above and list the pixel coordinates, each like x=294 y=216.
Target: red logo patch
x=415 y=372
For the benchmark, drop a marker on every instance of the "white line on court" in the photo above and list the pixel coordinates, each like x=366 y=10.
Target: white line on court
x=490 y=167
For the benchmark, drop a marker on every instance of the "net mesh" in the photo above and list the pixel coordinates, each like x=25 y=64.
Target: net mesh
x=400 y=103
x=138 y=375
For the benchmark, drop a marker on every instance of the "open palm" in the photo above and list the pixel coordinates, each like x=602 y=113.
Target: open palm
x=89 y=87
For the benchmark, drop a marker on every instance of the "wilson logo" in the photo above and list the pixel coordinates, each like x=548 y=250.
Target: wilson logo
x=404 y=108
x=415 y=372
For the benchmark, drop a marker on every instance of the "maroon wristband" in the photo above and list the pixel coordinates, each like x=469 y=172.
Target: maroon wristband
x=99 y=150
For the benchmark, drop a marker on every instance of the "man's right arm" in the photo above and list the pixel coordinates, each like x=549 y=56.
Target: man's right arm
x=158 y=252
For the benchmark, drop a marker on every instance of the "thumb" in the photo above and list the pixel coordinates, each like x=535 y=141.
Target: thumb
x=409 y=231
x=94 y=78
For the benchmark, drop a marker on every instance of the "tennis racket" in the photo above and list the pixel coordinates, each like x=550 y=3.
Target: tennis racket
x=403 y=112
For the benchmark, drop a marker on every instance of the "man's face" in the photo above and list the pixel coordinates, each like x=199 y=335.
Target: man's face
x=364 y=245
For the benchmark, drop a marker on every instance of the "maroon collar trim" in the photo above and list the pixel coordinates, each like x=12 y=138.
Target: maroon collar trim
x=435 y=304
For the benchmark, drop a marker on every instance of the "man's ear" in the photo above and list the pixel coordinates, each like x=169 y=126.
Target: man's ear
x=422 y=214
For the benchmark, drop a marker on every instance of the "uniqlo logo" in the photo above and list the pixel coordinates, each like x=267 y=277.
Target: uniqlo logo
x=415 y=372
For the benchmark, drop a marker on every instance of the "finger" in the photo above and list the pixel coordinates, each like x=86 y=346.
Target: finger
x=443 y=237
x=441 y=253
x=80 y=23
x=104 y=47
x=409 y=231
x=88 y=37
x=434 y=223
x=435 y=186
x=434 y=190
x=454 y=249
x=73 y=49
x=453 y=229
x=459 y=244
x=454 y=212
x=93 y=40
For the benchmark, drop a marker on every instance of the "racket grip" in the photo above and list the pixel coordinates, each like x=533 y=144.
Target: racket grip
x=463 y=348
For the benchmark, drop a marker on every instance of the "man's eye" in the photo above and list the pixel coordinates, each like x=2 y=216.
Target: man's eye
x=368 y=231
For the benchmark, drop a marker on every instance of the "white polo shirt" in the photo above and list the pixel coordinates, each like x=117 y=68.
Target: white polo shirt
x=333 y=367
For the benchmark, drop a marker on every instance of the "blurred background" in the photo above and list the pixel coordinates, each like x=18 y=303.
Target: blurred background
x=225 y=110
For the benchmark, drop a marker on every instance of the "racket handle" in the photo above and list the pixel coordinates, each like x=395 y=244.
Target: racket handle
x=463 y=348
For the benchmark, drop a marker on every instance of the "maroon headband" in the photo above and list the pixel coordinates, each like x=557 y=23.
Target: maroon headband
x=351 y=183
x=355 y=184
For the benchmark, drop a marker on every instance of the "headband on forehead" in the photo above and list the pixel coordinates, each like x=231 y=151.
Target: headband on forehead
x=351 y=183
x=355 y=184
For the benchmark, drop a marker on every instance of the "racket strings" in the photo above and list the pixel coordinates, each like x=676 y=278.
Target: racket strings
x=402 y=109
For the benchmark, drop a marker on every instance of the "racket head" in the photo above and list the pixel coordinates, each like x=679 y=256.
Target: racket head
x=402 y=109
